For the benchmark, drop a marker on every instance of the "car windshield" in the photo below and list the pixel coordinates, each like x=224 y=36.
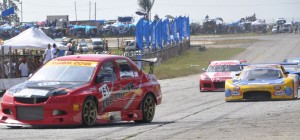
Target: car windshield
x=293 y=61
x=65 y=71
x=97 y=43
x=131 y=44
x=259 y=74
x=82 y=44
x=224 y=68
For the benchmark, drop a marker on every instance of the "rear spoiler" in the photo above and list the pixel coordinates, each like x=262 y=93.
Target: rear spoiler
x=151 y=62
x=253 y=64
x=268 y=64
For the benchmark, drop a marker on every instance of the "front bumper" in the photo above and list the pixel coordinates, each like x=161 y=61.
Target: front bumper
x=232 y=95
x=208 y=85
x=55 y=111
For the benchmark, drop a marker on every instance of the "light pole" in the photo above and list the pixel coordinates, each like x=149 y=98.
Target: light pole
x=21 y=3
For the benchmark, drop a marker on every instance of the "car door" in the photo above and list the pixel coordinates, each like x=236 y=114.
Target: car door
x=130 y=83
x=108 y=86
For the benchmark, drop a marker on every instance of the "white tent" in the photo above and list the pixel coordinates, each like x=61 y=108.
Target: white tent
x=32 y=38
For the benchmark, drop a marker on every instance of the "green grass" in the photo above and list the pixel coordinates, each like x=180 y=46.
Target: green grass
x=192 y=62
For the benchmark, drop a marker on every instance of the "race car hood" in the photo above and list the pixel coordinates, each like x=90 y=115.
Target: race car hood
x=258 y=82
x=43 y=89
x=220 y=75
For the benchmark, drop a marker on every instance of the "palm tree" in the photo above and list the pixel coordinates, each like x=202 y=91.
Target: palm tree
x=146 y=5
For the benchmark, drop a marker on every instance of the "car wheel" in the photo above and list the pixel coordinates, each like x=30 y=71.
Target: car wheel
x=148 y=109
x=89 y=112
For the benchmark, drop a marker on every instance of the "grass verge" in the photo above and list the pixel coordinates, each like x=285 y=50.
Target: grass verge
x=192 y=62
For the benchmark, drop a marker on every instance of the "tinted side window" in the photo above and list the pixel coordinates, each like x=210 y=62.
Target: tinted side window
x=126 y=70
x=108 y=72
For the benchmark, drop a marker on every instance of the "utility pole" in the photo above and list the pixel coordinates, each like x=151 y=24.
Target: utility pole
x=90 y=10
x=75 y=11
x=21 y=11
x=95 y=10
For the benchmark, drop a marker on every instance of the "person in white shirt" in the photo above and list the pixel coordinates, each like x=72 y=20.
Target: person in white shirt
x=54 y=51
x=23 y=68
x=47 y=54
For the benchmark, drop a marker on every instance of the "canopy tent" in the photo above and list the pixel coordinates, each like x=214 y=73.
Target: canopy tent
x=32 y=38
x=5 y=27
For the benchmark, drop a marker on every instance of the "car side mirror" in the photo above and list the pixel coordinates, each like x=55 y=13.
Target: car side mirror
x=99 y=79
x=204 y=69
x=285 y=60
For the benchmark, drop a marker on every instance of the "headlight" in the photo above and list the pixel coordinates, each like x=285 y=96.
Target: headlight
x=277 y=87
x=60 y=92
x=205 y=77
x=236 y=88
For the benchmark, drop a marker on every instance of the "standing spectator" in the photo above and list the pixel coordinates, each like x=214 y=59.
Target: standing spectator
x=23 y=68
x=47 y=54
x=36 y=63
x=106 y=45
x=30 y=66
x=54 y=51
x=69 y=51
x=73 y=47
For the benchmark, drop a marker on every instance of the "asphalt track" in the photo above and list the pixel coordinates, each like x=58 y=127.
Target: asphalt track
x=188 y=114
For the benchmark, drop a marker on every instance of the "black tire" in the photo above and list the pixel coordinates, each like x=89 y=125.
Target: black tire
x=15 y=127
x=148 y=109
x=89 y=112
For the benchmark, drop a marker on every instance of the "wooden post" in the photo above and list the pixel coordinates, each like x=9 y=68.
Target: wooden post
x=2 y=62
x=17 y=64
x=10 y=75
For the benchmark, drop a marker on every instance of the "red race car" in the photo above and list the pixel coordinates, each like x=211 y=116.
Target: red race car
x=213 y=79
x=83 y=90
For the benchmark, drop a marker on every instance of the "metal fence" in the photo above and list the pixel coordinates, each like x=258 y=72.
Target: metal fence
x=162 y=54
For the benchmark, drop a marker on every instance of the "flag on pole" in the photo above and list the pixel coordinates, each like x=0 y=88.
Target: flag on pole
x=152 y=33
x=174 y=30
x=8 y=12
x=139 y=33
x=159 y=33
x=146 y=32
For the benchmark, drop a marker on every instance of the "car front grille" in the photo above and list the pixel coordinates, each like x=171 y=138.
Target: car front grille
x=257 y=95
x=207 y=85
x=30 y=113
x=219 y=84
x=31 y=100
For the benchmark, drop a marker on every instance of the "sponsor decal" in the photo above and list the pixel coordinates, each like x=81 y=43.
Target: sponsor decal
x=73 y=63
x=279 y=93
x=235 y=93
x=222 y=74
x=48 y=83
x=288 y=91
x=110 y=98
x=227 y=93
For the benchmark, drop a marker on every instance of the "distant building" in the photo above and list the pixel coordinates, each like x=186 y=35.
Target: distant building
x=58 y=20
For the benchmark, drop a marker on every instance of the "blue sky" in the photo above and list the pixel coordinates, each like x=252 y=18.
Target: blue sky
x=229 y=10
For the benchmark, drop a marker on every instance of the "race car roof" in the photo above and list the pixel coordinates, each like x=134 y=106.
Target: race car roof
x=225 y=62
x=269 y=66
x=89 y=57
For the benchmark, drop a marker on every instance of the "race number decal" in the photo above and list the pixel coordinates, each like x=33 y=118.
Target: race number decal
x=105 y=91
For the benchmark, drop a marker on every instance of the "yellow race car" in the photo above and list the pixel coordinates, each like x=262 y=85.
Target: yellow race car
x=262 y=82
